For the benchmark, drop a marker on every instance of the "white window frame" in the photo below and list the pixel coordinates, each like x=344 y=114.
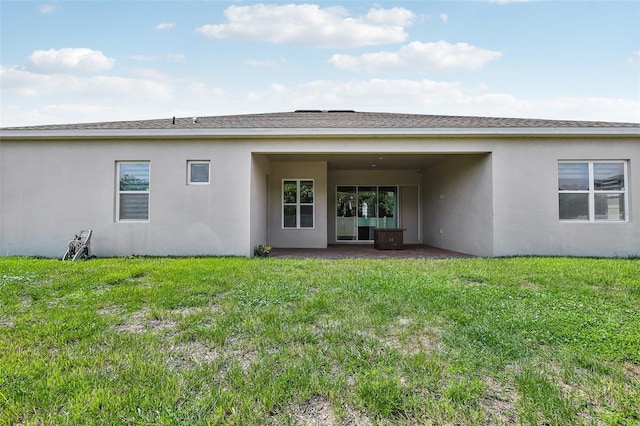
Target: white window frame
x=592 y=192
x=298 y=203
x=191 y=162
x=120 y=192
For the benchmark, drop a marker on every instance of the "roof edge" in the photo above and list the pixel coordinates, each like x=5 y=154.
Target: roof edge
x=301 y=132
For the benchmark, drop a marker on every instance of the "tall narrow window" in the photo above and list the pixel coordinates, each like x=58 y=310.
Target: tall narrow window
x=132 y=198
x=197 y=172
x=592 y=191
x=298 y=203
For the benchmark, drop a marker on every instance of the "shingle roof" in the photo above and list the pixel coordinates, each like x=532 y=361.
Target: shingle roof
x=331 y=120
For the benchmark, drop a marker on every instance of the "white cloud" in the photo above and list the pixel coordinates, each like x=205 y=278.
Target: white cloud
x=311 y=25
x=71 y=59
x=634 y=58
x=31 y=98
x=419 y=57
x=396 y=16
x=200 y=92
x=442 y=98
x=163 y=26
x=444 y=17
x=46 y=8
x=22 y=83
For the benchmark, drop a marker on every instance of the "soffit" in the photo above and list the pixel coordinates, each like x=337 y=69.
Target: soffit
x=365 y=161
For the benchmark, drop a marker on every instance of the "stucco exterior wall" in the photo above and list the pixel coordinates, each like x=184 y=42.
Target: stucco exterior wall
x=458 y=208
x=500 y=194
x=315 y=237
x=260 y=192
x=525 y=194
x=52 y=190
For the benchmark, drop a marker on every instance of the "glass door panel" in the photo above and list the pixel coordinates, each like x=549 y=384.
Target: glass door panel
x=367 y=212
x=387 y=207
x=346 y=213
x=362 y=209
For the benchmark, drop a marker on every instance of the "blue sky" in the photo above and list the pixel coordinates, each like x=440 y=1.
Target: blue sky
x=82 y=61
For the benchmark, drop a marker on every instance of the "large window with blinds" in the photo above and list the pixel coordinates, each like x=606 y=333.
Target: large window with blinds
x=132 y=191
x=593 y=191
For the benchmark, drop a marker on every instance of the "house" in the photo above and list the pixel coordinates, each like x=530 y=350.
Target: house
x=222 y=185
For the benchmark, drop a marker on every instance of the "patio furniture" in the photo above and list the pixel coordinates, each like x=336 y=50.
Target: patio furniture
x=389 y=239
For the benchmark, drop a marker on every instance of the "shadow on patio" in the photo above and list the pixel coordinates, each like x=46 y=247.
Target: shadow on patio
x=366 y=251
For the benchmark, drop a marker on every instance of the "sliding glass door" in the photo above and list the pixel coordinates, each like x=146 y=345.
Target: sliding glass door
x=361 y=209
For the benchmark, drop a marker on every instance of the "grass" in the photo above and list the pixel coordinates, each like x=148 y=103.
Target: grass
x=281 y=341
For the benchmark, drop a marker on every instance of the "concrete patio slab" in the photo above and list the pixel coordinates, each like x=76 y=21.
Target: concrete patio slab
x=367 y=251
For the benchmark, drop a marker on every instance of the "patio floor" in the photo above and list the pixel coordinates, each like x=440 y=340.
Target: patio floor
x=366 y=251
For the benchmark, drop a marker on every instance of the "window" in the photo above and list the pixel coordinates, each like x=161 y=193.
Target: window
x=297 y=203
x=132 y=198
x=197 y=172
x=593 y=191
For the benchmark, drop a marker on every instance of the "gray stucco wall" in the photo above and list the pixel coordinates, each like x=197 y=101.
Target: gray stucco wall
x=52 y=190
x=500 y=194
x=458 y=208
x=525 y=194
x=260 y=192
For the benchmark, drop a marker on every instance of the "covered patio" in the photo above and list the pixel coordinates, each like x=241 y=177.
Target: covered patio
x=439 y=198
x=367 y=251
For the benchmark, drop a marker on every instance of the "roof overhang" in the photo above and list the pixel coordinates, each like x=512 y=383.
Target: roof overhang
x=319 y=132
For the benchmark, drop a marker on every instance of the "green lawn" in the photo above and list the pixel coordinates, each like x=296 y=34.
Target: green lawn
x=283 y=341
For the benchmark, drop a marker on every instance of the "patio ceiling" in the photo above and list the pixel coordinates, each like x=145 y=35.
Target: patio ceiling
x=365 y=161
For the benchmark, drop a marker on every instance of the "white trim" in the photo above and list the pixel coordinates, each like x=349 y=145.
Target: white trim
x=118 y=192
x=189 y=163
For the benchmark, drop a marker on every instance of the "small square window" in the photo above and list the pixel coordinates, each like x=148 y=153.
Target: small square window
x=197 y=172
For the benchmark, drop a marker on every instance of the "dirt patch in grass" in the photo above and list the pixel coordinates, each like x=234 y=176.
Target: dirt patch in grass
x=353 y=417
x=632 y=369
x=245 y=359
x=318 y=411
x=242 y=353
x=190 y=355
x=194 y=354
x=140 y=322
x=498 y=402
x=185 y=312
x=409 y=342
x=315 y=412
x=110 y=310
